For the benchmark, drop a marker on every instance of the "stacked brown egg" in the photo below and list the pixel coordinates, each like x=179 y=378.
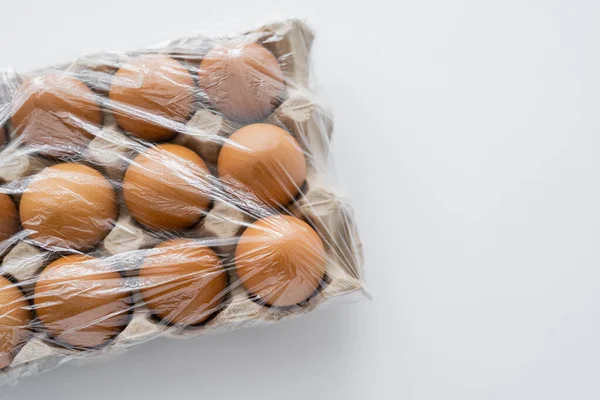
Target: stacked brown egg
x=84 y=299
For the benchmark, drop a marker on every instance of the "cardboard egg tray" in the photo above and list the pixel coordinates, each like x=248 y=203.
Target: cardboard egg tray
x=299 y=113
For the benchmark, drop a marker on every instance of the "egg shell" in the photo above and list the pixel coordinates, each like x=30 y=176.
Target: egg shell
x=15 y=317
x=152 y=96
x=183 y=282
x=263 y=163
x=167 y=188
x=9 y=219
x=281 y=260
x=69 y=206
x=82 y=302
x=56 y=114
x=242 y=80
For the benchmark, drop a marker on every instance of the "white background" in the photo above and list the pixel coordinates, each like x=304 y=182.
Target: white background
x=467 y=135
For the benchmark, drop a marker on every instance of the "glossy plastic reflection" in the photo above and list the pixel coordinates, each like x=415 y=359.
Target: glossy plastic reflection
x=171 y=192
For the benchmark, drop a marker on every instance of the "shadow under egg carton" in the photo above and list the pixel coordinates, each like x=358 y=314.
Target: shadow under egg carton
x=205 y=133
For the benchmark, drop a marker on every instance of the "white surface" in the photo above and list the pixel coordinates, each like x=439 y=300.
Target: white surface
x=467 y=134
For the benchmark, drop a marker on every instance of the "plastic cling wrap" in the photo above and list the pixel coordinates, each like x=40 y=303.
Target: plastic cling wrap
x=173 y=191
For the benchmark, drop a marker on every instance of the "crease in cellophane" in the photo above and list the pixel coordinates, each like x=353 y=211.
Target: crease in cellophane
x=182 y=189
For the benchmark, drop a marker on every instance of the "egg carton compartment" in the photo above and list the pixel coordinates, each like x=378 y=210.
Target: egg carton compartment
x=17 y=163
x=26 y=260
x=38 y=355
x=111 y=151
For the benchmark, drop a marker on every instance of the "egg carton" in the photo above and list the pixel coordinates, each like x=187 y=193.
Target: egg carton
x=205 y=133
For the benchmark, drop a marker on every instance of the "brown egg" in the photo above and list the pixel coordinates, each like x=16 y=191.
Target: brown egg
x=265 y=161
x=81 y=301
x=281 y=260
x=69 y=206
x=151 y=96
x=183 y=282
x=242 y=80
x=57 y=114
x=3 y=137
x=9 y=220
x=167 y=187
x=15 y=317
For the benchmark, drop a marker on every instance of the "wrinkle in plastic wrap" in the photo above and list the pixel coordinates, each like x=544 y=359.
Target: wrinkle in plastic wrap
x=173 y=191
